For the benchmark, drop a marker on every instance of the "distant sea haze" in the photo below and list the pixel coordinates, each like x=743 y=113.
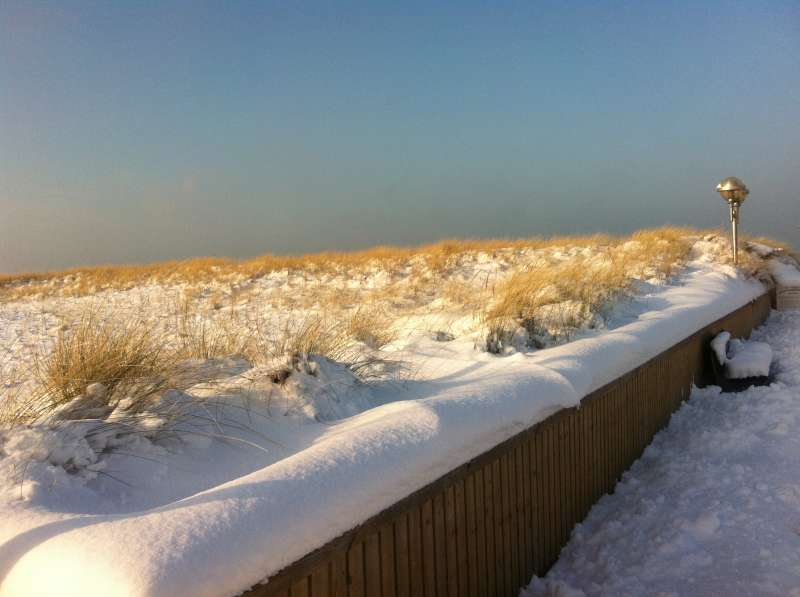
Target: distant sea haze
x=142 y=132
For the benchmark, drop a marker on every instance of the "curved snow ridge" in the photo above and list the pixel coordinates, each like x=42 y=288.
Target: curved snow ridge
x=229 y=538
x=225 y=539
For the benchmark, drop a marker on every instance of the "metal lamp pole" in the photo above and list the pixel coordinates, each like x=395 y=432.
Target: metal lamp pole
x=734 y=192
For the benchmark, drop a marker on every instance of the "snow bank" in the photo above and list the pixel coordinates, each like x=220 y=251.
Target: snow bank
x=227 y=538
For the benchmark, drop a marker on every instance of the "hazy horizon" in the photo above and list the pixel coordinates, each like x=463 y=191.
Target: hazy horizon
x=152 y=131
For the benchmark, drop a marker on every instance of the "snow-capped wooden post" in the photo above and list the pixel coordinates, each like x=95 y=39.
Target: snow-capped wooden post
x=734 y=191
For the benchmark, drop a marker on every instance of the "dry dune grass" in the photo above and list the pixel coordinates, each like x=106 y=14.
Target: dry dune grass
x=437 y=257
x=549 y=294
x=113 y=368
x=95 y=366
x=371 y=326
x=200 y=337
x=562 y=295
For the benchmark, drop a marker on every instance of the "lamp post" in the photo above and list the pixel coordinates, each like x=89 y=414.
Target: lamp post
x=734 y=192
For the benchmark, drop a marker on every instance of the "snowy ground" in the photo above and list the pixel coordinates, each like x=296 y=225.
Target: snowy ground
x=713 y=505
x=261 y=473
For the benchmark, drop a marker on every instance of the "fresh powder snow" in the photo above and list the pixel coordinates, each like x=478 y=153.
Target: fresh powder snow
x=264 y=472
x=713 y=505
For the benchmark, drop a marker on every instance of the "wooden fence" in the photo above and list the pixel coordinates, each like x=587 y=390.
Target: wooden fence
x=486 y=527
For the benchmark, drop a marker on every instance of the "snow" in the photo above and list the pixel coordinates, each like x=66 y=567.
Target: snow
x=713 y=505
x=266 y=472
x=748 y=359
x=761 y=250
x=742 y=359
x=785 y=274
x=720 y=347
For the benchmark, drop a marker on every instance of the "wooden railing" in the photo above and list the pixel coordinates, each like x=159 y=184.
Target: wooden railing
x=486 y=527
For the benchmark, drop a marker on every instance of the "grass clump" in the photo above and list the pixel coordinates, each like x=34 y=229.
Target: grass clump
x=557 y=297
x=370 y=326
x=208 y=335
x=124 y=357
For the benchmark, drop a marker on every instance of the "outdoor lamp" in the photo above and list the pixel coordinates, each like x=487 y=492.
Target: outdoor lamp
x=734 y=192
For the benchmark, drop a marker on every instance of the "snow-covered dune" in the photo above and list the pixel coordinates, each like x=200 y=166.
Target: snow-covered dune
x=216 y=517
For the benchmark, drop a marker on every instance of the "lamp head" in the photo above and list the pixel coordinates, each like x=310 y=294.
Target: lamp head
x=733 y=190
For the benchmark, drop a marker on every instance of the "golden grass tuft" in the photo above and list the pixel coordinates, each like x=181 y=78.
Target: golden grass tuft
x=92 y=350
x=371 y=326
x=95 y=366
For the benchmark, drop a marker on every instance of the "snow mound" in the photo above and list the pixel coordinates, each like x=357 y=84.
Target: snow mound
x=277 y=460
x=742 y=359
x=785 y=274
x=748 y=359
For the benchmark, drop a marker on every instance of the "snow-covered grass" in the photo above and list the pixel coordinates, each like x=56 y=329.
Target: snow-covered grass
x=364 y=313
x=713 y=505
x=425 y=260
x=315 y=393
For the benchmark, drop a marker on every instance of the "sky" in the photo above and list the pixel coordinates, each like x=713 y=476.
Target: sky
x=144 y=131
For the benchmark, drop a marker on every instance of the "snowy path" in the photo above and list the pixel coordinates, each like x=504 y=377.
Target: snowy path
x=713 y=506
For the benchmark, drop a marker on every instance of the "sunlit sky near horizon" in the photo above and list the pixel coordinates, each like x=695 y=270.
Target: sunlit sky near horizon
x=141 y=131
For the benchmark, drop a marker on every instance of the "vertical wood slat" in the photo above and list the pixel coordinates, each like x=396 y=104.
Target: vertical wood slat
x=428 y=552
x=415 y=553
x=484 y=568
x=387 y=560
x=440 y=545
x=500 y=549
x=372 y=565
x=461 y=537
x=401 y=549
x=489 y=529
x=523 y=499
x=472 y=535
x=321 y=581
x=539 y=503
x=355 y=570
x=509 y=503
x=485 y=530
x=451 y=542
x=551 y=494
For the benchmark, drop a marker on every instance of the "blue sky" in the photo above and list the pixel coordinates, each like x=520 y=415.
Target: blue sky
x=144 y=131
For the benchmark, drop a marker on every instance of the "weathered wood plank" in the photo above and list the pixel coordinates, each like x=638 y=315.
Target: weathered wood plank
x=321 y=582
x=388 y=560
x=451 y=543
x=440 y=544
x=501 y=549
x=355 y=570
x=483 y=568
x=461 y=538
x=428 y=549
x=372 y=564
x=491 y=530
x=401 y=550
x=416 y=568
